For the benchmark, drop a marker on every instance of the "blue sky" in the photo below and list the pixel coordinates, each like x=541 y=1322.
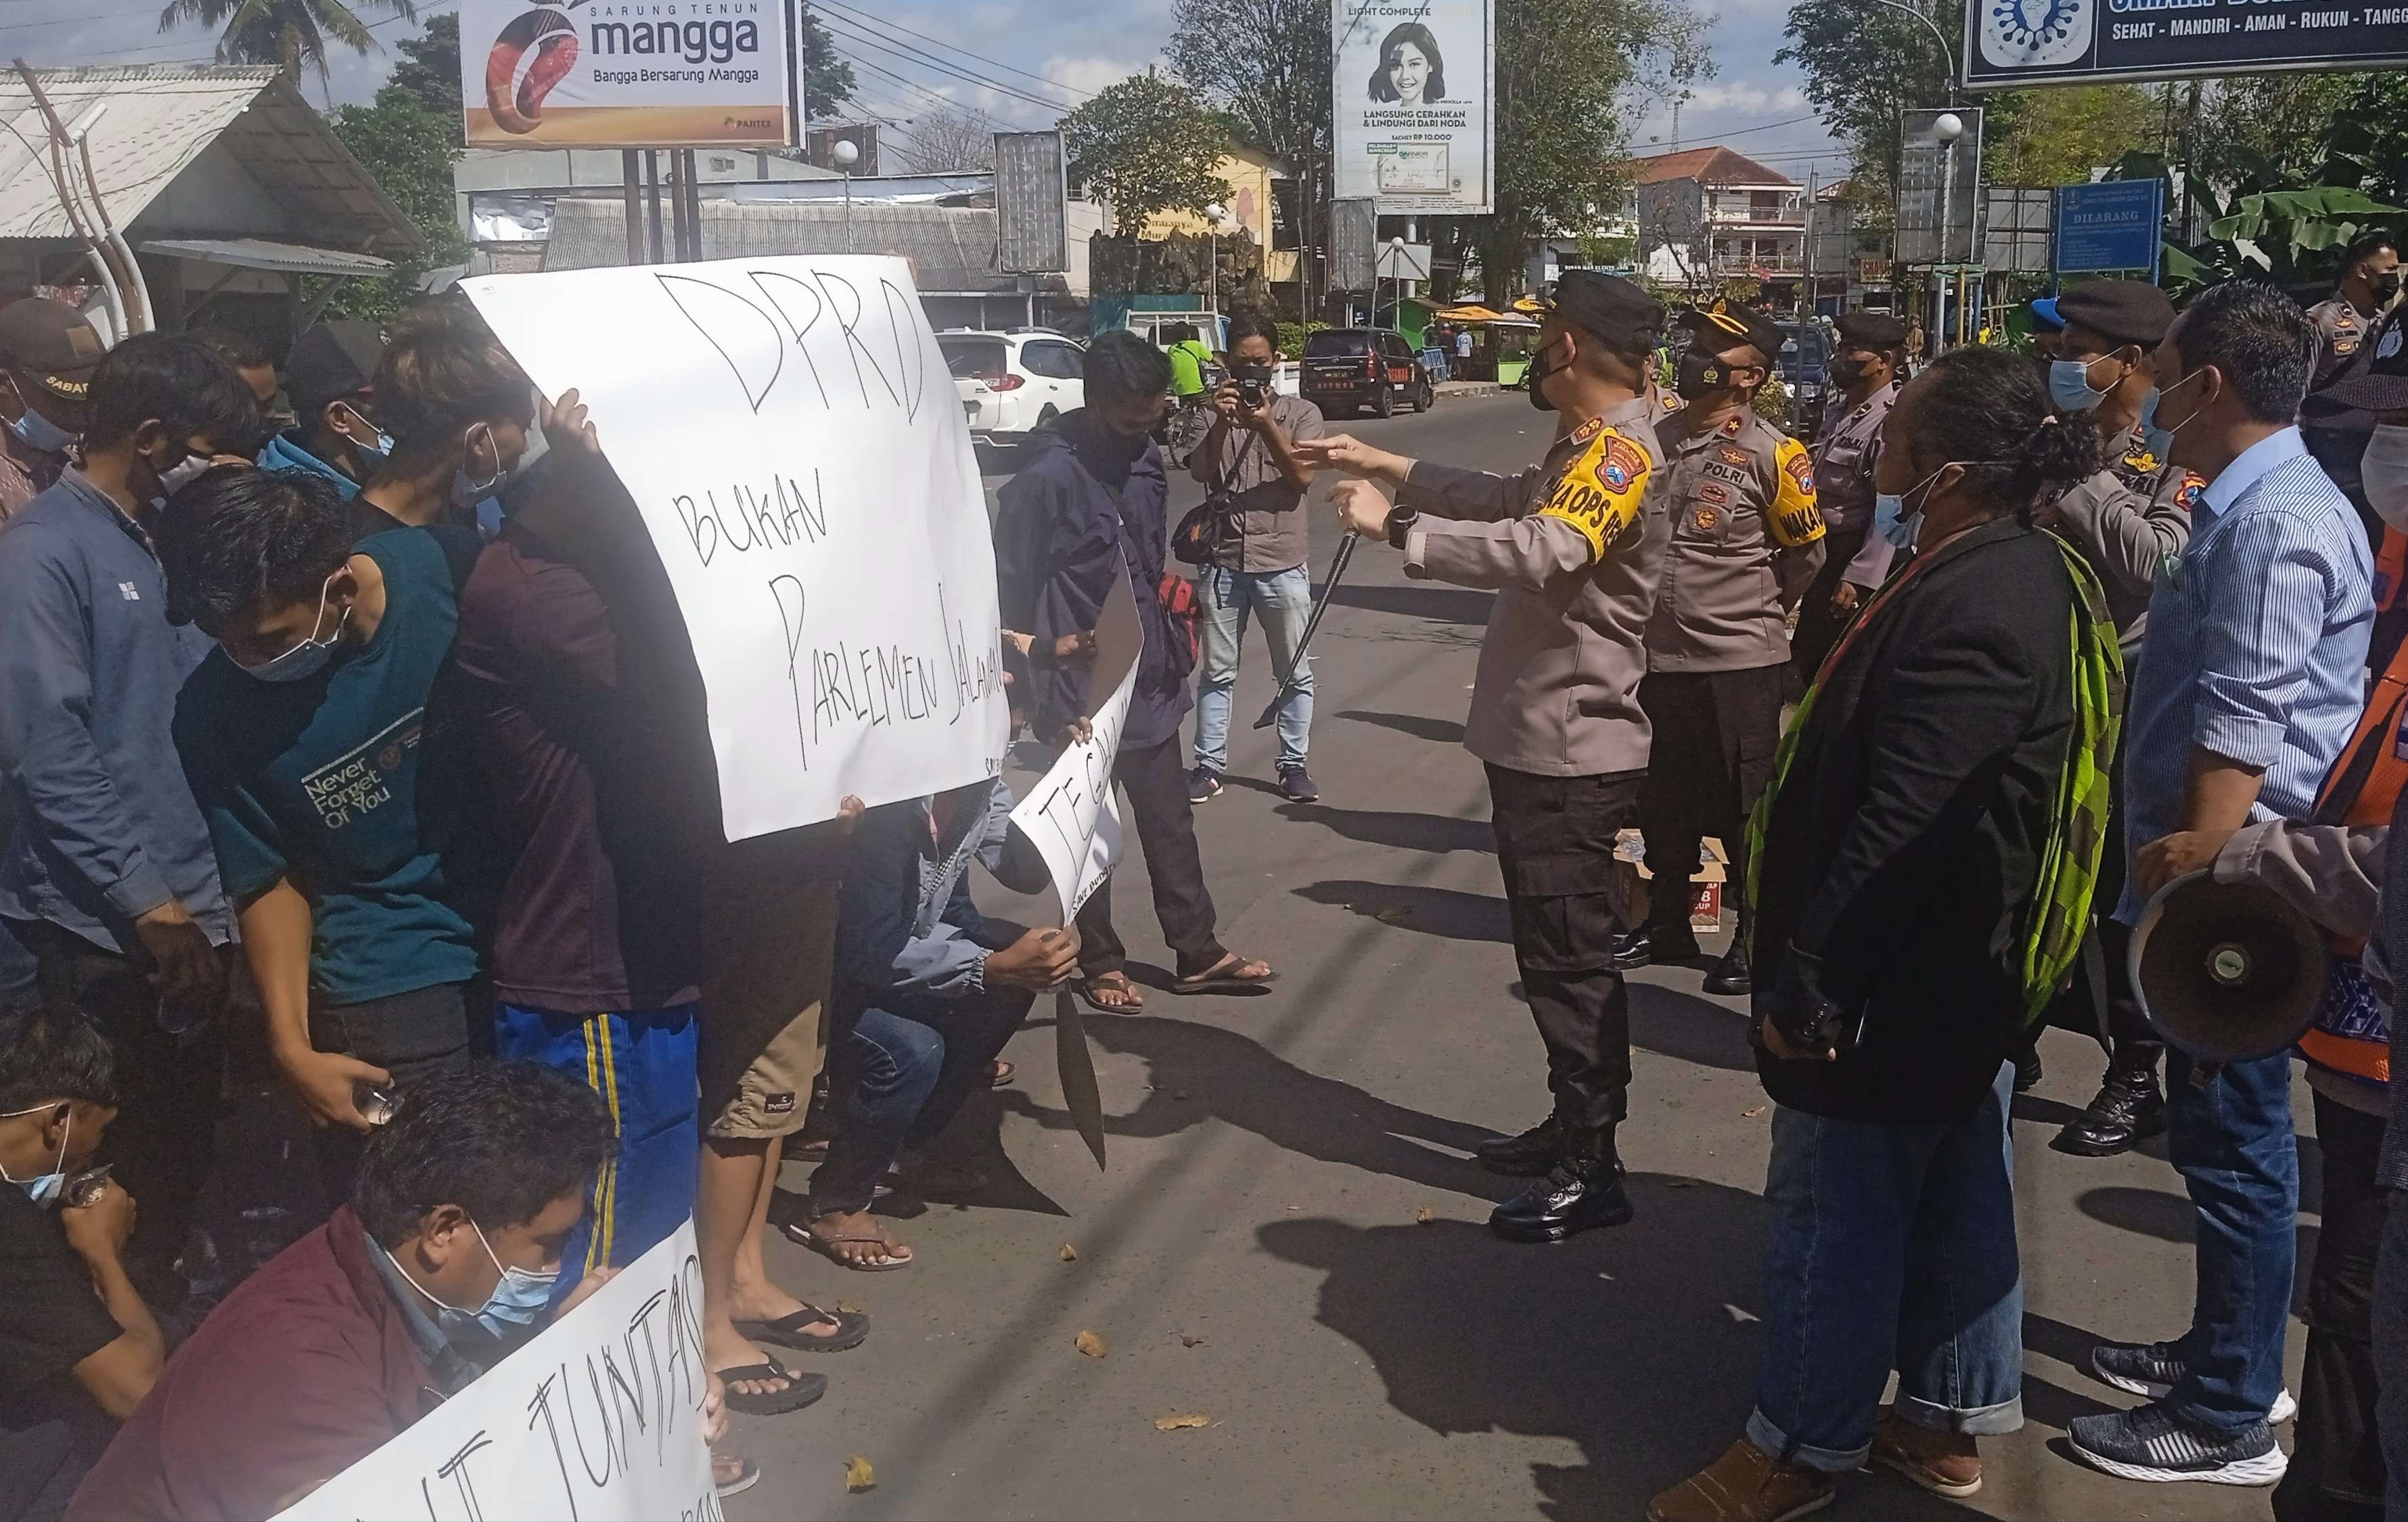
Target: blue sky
x=1075 y=46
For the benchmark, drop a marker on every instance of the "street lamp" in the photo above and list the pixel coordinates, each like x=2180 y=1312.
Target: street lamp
x=846 y=155
x=1214 y=214
x=1945 y=129
x=1396 y=274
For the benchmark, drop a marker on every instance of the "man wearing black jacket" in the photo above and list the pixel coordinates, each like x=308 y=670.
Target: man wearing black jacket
x=1904 y=848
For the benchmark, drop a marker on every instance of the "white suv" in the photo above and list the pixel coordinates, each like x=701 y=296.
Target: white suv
x=1013 y=384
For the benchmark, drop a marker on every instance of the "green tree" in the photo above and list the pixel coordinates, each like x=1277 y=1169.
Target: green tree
x=1145 y=146
x=430 y=65
x=1273 y=86
x=1865 y=65
x=289 y=33
x=827 y=79
x=1562 y=134
x=409 y=150
x=2060 y=135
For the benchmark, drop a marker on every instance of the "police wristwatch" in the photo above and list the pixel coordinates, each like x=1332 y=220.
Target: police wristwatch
x=1400 y=522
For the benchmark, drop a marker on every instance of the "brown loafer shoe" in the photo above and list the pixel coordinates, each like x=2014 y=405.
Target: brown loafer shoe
x=1945 y=1463
x=1744 y=1485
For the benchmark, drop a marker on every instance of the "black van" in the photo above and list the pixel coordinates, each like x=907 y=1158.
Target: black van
x=1352 y=369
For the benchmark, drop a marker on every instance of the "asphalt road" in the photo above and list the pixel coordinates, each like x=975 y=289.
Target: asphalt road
x=1289 y=1239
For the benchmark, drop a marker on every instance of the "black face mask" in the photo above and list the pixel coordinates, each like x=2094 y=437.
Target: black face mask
x=2385 y=287
x=1848 y=371
x=1699 y=373
x=1537 y=377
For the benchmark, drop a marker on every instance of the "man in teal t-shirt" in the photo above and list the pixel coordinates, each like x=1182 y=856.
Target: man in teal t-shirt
x=336 y=782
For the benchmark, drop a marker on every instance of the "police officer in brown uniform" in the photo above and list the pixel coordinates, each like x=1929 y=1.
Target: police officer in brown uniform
x=2345 y=320
x=1573 y=549
x=2127 y=521
x=1868 y=369
x=1746 y=542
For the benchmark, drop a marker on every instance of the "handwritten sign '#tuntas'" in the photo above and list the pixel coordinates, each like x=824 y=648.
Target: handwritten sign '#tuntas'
x=598 y=1418
x=789 y=430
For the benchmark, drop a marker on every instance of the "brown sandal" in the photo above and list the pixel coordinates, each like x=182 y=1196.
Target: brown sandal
x=1132 y=1002
x=1229 y=976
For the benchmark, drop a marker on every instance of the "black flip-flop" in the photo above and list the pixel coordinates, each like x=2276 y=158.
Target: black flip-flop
x=999 y=1073
x=747 y=1477
x=1219 y=981
x=800 y=1391
x=1085 y=988
x=852 y=1330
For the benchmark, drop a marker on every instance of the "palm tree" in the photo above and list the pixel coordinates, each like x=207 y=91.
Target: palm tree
x=286 y=33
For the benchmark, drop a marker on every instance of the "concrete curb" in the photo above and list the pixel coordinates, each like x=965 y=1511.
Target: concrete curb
x=1469 y=388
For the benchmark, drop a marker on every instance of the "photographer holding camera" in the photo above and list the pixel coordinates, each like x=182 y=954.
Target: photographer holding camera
x=1249 y=464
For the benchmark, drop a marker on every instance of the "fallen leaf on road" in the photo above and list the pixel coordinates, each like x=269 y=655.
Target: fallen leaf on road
x=1424 y=1215
x=849 y=1305
x=1091 y=1344
x=1173 y=1424
x=1393 y=916
x=1069 y=1254
x=1751 y=1114
x=1190 y=1339
x=1680 y=1183
x=858 y=1475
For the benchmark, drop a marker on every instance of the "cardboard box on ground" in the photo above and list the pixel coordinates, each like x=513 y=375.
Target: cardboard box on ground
x=1633 y=887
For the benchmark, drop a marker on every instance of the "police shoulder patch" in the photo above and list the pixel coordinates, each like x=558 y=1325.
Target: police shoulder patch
x=2193 y=488
x=1600 y=489
x=1588 y=430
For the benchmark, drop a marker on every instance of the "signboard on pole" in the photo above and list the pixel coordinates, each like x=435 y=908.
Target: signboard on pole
x=1353 y=229
x=1413 y=97
x=600 y=1417
x=714 y=75
x=2015 y=228
x=1031 y=189
x=1923 y=173
x=788 y=430
x=2010 y=44
x=2112 y=224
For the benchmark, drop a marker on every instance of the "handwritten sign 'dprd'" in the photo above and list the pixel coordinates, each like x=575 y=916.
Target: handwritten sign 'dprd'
x=597 y=1418
x=790 y=432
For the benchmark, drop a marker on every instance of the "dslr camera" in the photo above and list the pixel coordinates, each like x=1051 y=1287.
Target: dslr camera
x=1253 y=385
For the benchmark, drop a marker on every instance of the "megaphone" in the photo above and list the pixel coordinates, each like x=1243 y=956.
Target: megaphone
x=2227 y=971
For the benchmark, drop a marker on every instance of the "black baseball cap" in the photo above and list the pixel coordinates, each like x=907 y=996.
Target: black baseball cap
x=1727 y=324
x=2125 y=312
x=49 y=341
x=332 y=360
x=1871 y=330
x=1610 y=308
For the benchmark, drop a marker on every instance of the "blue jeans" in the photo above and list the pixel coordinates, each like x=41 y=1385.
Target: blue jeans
x=1893 y=1247
x=1284 y=601
x=899 y=1070
x=2232 y=1143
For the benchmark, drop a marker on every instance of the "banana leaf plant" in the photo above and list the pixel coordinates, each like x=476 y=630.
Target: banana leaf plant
x=2260 y=222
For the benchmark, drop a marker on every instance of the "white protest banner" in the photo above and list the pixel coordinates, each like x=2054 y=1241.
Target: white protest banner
x=1071 y=817
x=789 y=430
x=598 y=1419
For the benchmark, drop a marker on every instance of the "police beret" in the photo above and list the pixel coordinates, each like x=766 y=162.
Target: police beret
x=1609 y=307
x=1871 y=330
x=1727 y=324
x=2127 y=311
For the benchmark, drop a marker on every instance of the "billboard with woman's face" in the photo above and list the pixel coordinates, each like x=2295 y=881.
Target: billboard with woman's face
x=1415 y=128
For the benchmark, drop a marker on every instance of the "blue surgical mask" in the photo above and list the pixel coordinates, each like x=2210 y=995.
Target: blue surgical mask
x=468 y=489
x=2160 y=441
x=2070 y=388
x=36 y=431
x=309 y=658
x=44 y=1188
x=1889 y=519
x=383 y=440
x=514 y=1305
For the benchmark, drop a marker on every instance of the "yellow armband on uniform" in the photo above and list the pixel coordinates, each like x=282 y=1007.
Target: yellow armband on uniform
x=1795 y=519
x=1599 y=492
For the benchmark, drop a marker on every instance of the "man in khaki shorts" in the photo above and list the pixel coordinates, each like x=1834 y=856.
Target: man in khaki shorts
x=771 y=950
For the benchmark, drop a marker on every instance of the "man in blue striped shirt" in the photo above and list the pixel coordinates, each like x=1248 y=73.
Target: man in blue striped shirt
x=2252 y=681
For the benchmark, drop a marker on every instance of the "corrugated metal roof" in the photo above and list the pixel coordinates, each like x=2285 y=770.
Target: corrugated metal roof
x=951 y=248
x=146 y=125
x=259 y=253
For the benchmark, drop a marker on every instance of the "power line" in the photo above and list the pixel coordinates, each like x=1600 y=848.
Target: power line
x=942 y=102
x=921 y=59
x=60 y=20
x=861 y=16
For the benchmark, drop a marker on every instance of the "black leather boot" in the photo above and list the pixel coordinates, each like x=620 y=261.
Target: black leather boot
x=2131 y=1107
x=1584 y=1190
x=1729 y=976
x=1526 y=1155
x=1652 y=943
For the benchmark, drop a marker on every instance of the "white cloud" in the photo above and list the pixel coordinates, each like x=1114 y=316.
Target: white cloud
x=1090 y=75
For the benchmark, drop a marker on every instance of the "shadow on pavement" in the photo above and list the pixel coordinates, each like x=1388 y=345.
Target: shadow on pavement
x=1443 y=604
x=1432 y=912
x=2150 y=1213
x=1396 y=829
x=1420 y=727
x=1203 y=1072
x=1636 y=1345
x=1689 y=1027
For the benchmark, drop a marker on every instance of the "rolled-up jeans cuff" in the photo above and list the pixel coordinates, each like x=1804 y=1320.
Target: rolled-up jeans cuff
x=1774 y=1444
x=1975 y=1421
